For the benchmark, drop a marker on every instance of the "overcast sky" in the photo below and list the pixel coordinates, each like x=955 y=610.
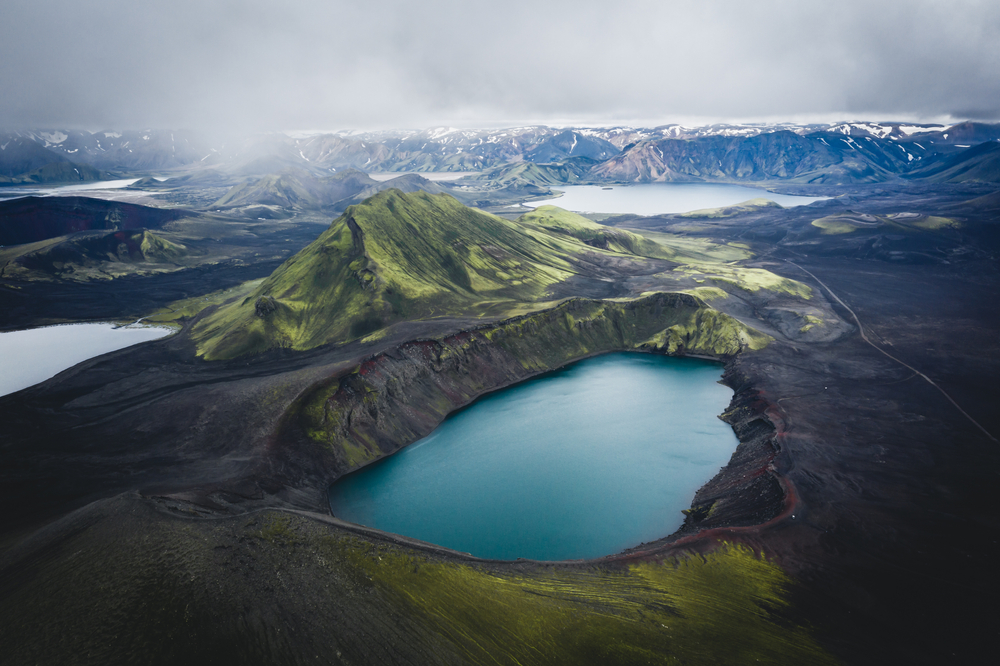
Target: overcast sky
x=326 y=64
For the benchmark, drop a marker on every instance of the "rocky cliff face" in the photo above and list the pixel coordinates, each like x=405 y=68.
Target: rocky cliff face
x=396 y=397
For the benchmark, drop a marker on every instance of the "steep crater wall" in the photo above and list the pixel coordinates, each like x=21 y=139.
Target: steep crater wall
x=398 y=396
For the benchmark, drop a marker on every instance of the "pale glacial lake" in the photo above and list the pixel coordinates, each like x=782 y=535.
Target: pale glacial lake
x=31 y=356
x=579 y=463
x=661 y=198
x=17 y=192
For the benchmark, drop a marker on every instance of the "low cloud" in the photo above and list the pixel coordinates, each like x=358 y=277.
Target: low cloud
x=319 y=64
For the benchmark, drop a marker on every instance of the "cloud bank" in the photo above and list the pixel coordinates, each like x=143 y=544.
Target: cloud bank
x=251 y=64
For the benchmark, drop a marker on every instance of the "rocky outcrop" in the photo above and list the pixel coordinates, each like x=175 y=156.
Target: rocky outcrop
x=747 y=491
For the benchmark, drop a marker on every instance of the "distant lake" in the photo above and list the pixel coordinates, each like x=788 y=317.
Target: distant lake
x=33 y=355
x=62 y=190
x=661 y=198
x=578 y=463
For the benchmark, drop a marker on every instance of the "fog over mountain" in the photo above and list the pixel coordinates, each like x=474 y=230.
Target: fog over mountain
x=251 y=65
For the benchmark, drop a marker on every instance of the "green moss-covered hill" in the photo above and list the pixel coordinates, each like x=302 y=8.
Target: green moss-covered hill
x=400 y=256
x=93 y=256
x=393 y=257
x=559 y=221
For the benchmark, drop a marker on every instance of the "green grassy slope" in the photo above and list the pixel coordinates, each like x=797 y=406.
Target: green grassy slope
x=92 y=257
x=400 y=256
x=181 y=591
x=393 y=257
x=749 y=206
x=557 y=220
x=374 y=409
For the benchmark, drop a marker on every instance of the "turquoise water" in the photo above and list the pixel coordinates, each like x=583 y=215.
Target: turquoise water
x=662 y=198
x=578 y=463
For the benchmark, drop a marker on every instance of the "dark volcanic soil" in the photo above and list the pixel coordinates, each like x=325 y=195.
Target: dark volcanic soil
x=889 y=522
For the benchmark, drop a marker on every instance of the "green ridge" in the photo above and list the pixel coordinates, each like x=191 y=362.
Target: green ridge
x=558 y=220
x=394 y=257
x=749 y=206
x=517 y=347
x=720 y=608
x=403 y=256
x=81 y=258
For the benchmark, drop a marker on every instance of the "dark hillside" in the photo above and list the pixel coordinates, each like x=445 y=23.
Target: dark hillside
x=36 y=218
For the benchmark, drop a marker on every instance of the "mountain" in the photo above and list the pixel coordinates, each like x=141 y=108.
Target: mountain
x=968 y=133
x=406 y=183
x=395 y=256
x=92 y=255
x=296 y=189
x=57 y=172
x=978 y=164
x=811 y=153
x=783 y=155
x=258 y=155
x=19 y=156
x=330 y=151
x=894 y=131
x=127 y=150
x=528 y=173
x=25 y=161
x=571 y=144
x=32 y=219
x=556 y=220
x=202 y=178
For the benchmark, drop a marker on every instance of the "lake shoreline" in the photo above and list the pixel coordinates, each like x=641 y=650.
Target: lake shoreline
x=634 y=436
x=34 y=355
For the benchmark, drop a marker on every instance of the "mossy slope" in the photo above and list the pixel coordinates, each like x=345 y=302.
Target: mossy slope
x=850 y=222
x=93 y=256
x=749 y=206
x=393 y=257
x=721 y=608
x=131 y=584
x=397 y=397
x=558 y=220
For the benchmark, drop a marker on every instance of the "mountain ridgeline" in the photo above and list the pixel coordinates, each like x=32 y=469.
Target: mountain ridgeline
x=396 y=256
x=823 y=158
x=296 y=189
x=407 y=256
x=823 y=154
x=404 y=256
